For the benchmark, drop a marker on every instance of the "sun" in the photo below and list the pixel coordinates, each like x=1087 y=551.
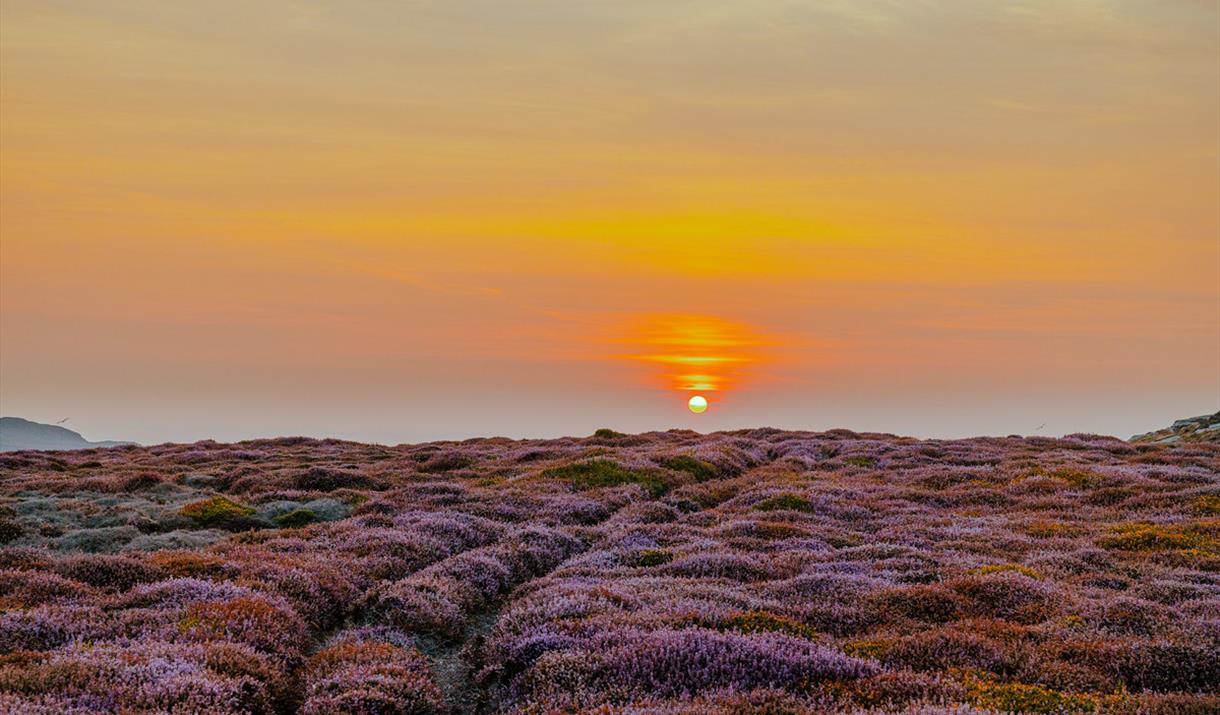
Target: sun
x=697 y=404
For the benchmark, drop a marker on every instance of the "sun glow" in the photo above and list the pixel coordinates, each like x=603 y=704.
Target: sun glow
x=694 y=353
x=697 y=404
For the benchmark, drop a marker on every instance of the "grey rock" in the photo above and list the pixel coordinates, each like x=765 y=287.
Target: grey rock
x=272 y=509
x=108 y=539
x=328 y=509
x=1178 y=424
x=199 y=481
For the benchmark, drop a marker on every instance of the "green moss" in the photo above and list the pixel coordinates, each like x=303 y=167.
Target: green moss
x=604 y=473
x=1021 y=698
x=868 y=648
x=1152 y=537
x=1208 y=504
x=861 y=461
x=219 y=512
x=653 y=557
x=767 y=622
x=296 y=518
x=789 y=502
x=702 y=471
x=1002 y=568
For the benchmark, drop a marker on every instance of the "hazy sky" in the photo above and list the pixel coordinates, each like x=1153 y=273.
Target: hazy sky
x=397 y=221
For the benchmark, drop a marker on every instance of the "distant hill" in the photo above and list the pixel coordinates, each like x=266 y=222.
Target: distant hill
x=17 y=434
x=1191 y=429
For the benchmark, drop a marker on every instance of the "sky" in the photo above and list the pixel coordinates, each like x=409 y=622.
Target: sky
x=402 y=221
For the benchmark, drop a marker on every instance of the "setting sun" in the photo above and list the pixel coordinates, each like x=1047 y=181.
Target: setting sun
x=697 y=404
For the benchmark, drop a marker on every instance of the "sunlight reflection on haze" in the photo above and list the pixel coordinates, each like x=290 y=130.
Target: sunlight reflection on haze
x=697 y=353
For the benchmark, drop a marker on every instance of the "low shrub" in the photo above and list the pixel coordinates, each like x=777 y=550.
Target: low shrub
x=107 y=572
x=1020 y=698
x=220 y=512
x=926 y=603
x=605 y=473
x=255 y=621
x=448 y=461
x=735 y=567
x=771 y=530
x=685 y=662
x=868 y=647
x=326 y=479
x=1007 y=595
x=1207 y=504
x=1075 y=476
x=784 y=502
x=653 y=557
x=10 y=528
x=1005 y=568
x=1046 y=529
x=191 y=564
x=362 y=675
x=888 y=691
x=766 y=622
x=1152 y=537
x=945 y=648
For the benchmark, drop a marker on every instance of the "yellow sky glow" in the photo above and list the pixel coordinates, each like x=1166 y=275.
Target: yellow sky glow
x=333 y=213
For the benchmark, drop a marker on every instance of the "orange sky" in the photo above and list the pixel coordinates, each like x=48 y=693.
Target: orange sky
x=398 y=221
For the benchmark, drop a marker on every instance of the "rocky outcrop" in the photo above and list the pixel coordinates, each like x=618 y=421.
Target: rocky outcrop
x=1191 y=429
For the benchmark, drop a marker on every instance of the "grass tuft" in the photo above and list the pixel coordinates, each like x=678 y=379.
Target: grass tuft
x=604 y=473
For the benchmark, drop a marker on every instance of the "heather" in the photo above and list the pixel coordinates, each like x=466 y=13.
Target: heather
x=754 y=571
